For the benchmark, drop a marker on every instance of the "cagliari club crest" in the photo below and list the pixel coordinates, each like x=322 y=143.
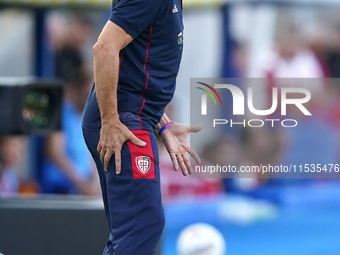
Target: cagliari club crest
x=143 y=164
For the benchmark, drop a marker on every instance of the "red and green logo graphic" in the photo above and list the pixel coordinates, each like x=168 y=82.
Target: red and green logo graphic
x=204 y=97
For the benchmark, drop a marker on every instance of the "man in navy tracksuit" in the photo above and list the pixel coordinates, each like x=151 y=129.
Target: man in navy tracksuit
x=136 y=61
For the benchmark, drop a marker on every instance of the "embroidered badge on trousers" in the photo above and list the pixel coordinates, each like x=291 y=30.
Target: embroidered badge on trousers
x=143 y=164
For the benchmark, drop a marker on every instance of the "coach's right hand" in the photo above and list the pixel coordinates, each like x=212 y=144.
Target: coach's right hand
x=112 y=137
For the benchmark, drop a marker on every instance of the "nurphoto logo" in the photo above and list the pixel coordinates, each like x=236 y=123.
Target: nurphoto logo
x=265 y=128
x=238 y=106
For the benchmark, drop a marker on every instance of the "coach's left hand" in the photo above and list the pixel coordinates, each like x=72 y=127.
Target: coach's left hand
x=175 y=139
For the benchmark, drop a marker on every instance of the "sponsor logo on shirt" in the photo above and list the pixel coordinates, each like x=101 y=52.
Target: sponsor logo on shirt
x=175 y=9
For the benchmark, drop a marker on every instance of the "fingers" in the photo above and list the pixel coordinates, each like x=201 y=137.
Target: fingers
x=183 y=162
x=194 y=156
x=99 y=148
x=182 y=165
x=118 y=161
x=134 y=139
x=106 y=160
x=174 y=161
x=187 y=163
x=196 y=129
x=105 y=157
x=101 y=152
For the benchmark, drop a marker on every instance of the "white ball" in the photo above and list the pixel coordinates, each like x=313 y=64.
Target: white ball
x=201 y=239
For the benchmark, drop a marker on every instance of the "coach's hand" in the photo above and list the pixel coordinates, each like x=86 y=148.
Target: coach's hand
x=112 y=138
x=175 y=139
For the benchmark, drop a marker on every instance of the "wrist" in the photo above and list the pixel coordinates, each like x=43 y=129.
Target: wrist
x=109 y=120
x=162 y=129
x=164 y=120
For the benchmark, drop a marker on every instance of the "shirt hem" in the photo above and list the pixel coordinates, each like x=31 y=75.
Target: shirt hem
x=145 y=126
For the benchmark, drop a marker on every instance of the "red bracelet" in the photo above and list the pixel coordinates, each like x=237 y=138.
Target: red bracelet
x=165 y=127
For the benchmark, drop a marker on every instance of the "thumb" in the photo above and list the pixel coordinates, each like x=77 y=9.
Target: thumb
x=135 y=140
x=196 y=129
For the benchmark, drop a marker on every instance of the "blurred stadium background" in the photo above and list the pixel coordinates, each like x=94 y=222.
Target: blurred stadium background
x=47 y=180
